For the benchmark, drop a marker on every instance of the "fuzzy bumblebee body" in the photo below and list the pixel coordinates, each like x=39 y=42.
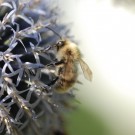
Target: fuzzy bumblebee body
x=69 y=55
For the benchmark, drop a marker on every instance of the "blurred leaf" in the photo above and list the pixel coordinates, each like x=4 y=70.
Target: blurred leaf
x=83 y=122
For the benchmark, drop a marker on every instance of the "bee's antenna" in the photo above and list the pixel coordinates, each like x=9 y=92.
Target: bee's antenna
x=54 y=32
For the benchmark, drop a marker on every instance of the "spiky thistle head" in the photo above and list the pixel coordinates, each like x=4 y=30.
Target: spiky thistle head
x=28 y=102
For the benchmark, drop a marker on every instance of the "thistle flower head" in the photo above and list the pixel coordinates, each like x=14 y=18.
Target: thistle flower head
x=28 y=102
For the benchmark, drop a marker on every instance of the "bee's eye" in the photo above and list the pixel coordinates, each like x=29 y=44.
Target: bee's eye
x=60 y=43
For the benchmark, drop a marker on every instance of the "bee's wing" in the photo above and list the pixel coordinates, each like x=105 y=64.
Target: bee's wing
x=86 y=70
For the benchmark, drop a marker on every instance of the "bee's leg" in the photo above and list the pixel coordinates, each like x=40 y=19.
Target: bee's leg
x=60 y=71
x=55 y=63
x=53 y=81
x=59 y=63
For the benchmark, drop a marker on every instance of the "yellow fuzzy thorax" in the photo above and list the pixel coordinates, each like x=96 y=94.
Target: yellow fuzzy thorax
x=69 y=51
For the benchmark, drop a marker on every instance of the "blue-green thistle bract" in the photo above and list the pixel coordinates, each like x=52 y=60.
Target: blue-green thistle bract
x=28 y=102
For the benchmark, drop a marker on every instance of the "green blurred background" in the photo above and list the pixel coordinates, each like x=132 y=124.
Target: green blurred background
x=85 y=122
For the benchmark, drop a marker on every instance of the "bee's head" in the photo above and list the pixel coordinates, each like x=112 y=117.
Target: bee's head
x=60 y=44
